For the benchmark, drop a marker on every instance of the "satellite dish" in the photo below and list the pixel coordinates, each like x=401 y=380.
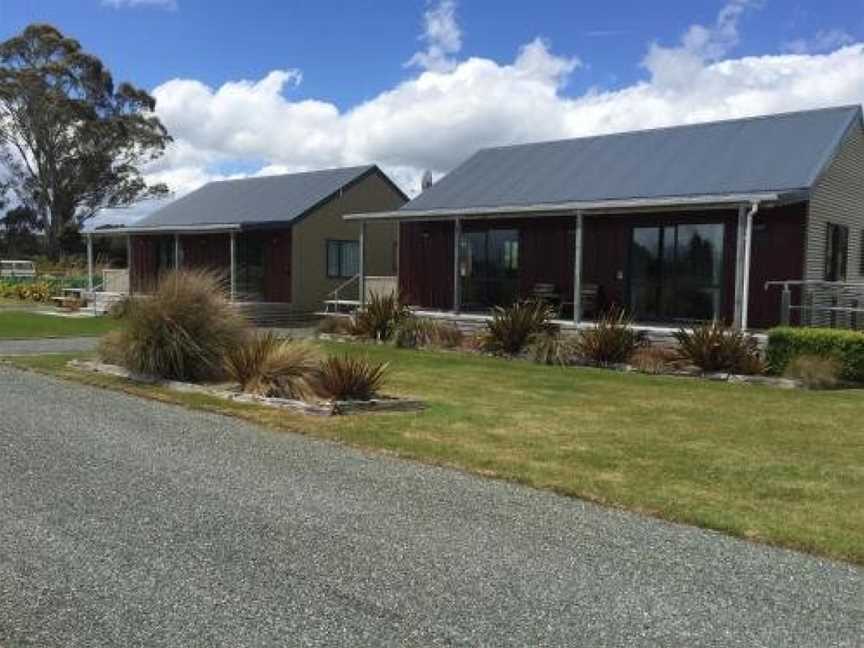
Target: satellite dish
x=427 y=181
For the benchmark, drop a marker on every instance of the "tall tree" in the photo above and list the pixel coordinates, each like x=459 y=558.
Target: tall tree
x=71 y=142
x=19 y=230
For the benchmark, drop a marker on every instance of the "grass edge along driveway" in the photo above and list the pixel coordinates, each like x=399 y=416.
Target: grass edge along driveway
x=774 y=466
x=23 y=324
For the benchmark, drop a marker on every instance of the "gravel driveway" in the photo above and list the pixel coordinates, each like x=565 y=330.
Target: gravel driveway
x=48 y=345
x=127 y=522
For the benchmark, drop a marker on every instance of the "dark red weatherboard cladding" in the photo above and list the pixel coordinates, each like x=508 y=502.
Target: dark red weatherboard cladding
x=547 y=254
x=212 y=251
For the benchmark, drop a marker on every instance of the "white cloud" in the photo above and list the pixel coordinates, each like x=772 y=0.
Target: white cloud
x=823 y=41
x=122 y=4
x=442 y=36
x=436 y=119
x=673 y=66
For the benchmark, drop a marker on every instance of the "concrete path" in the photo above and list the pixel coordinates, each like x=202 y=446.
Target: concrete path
x=125 y=522
x=48 y=345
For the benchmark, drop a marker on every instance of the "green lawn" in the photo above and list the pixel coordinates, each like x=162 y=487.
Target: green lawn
x=24 y=324
x=783 y=467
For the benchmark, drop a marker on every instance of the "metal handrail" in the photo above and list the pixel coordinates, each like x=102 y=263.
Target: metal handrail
x=335 y=293
x=836 y=291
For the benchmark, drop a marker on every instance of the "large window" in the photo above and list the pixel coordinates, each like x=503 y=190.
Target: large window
x=836 y=252
x=676 y=272
x=343 y=259
x=489 y=268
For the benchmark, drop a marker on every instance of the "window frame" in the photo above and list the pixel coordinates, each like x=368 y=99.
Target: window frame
x=340 y=245
x=836 y=260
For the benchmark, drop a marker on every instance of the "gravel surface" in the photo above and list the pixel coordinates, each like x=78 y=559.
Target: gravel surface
x=126 y=522
x=47 y=345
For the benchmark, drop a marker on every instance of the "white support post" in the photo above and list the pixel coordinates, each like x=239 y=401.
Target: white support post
x=743 y=263
x=176 y=251
x=739 y=266
x=129 y=261
x=90 y=263
x=577 y=270
x=748 y=251
x=362 y=265
x=233 y=255
x=457 y=280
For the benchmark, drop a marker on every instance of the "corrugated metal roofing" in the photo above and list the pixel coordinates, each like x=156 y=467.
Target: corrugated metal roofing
x=268 y=199
x=774 y=153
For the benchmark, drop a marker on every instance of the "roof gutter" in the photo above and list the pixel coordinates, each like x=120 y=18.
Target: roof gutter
x=587 y=207
x=166 y=229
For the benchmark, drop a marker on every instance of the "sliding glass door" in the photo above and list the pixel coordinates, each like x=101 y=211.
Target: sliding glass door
x=489 y=268
x=676 y=272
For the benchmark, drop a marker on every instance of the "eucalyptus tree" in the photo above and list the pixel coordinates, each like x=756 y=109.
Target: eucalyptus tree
x=71 y=141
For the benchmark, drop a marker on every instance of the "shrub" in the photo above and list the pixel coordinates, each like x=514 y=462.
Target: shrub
x=111 y=348
x=182 y=331
x=716 y=347
x=551 y=347
x=654 y=359
x=416 y=332
x=612 y=339
x=380 y=317
x=350 y=378
x=268 y=365
x=847 y=347
x=815 y=372
x=336 y=325
x=512 y=329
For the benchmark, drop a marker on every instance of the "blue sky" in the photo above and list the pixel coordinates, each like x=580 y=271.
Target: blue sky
x=351 y=51
x=273 y=86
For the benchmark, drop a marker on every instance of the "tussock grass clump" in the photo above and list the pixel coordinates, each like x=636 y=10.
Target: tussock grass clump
x=182 y=331
x=716 y=347
x=612 y=339
x=414 y=332
x=380 y=317
x=351 y=377
x=654 y=359
x=269 y=365
x=512 y=329
x=552 y=348
x=815 y=372
x=335 y=325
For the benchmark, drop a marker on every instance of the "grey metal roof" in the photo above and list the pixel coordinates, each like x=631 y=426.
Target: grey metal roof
x=267 y=199
x=774 y=153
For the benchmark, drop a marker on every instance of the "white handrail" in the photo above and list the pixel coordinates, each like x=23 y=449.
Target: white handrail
x=340 y=288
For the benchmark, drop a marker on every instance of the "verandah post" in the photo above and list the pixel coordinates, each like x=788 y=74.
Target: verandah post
x=362 y=265
x=577 y=270
x=739 y=266
x=90 y=263
x=785 y=305
x=233 y=255
x=176 y=251
x=129 y=261
x=457 y=284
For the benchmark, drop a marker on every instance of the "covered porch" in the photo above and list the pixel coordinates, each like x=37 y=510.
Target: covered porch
x=254 y=263
x=668 y=262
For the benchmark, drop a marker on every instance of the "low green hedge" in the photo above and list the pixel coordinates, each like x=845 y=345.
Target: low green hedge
x=847 y=347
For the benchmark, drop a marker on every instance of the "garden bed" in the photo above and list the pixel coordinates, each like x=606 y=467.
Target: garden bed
x=670 y=370
x=230 y=392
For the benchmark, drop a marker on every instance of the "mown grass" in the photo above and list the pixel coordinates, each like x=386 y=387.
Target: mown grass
x=24 y=324
x=781 y=467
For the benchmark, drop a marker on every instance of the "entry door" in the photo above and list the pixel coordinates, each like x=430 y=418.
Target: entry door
x=676 y=272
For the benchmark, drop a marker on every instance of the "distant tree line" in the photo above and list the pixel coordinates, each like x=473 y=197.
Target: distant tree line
x=71 y=143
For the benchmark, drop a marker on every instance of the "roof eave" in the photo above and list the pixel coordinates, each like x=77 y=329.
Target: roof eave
x=168 y=229
x=597 y=206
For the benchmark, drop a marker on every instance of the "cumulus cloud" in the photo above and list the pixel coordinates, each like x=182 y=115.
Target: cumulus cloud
x=442 y=36
x=121 y=4
x=823 y=41
x=438 y=117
